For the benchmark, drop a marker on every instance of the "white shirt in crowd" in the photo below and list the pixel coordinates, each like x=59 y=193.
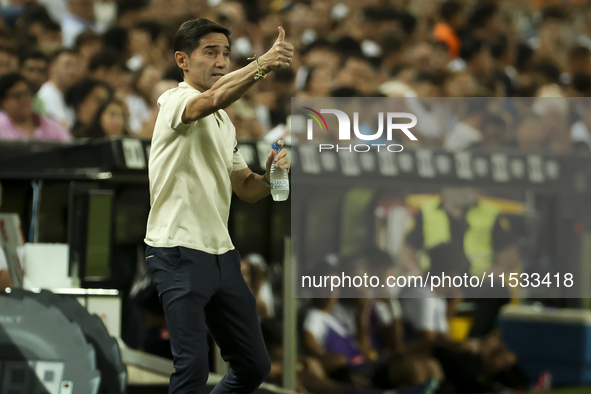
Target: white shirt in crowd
x=266 y=295
x=189 y=171
x=55 y=104
x=72 y=26
x=318 y=323
x=139 y=112
x=579 y=132
x=424 y=311
x=461 y=137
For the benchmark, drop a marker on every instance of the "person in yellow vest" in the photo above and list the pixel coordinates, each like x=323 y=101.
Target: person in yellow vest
x=481 y=235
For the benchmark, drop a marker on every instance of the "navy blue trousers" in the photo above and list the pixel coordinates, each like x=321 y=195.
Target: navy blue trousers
x=201 y=291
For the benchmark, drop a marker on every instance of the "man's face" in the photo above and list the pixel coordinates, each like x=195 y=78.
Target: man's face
x=8 y=63
x=66 y=70
x=82 y=8
x=208 y=62
x=35 y=71
x=18 y=102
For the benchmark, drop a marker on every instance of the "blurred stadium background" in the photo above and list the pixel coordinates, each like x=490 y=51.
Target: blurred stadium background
x=79 y=80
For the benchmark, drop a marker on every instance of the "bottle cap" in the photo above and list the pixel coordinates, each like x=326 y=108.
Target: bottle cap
x=276 y=146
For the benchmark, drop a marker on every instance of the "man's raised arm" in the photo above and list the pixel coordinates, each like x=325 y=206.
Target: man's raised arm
x=234 y=85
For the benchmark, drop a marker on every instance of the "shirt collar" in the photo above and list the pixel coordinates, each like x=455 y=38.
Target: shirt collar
x=186 y=85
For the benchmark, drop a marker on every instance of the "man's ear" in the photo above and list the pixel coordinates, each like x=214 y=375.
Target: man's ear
x=182 y=60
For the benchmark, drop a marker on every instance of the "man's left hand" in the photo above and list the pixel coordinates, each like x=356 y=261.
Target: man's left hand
x=281 y=160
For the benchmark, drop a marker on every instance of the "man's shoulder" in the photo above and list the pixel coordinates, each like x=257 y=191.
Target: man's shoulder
x=183 y=90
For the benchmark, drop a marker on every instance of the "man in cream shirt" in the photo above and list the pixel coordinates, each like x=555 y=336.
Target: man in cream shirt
x=194 y=167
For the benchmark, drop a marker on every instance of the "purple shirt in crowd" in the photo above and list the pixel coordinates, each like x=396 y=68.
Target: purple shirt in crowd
x=47 y=130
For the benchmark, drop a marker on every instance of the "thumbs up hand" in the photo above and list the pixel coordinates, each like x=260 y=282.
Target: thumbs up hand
x=281 y=37
x=279 y=56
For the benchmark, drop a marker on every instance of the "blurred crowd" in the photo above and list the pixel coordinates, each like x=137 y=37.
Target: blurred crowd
x=94 y=68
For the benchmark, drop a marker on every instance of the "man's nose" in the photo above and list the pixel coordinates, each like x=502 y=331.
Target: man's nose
x=221 y=61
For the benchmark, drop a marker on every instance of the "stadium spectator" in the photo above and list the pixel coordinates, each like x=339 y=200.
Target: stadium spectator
x=453 y=19
x=494 y=132
x=18 y=120
x=477 y=57
x=86 y=97
x=579 y=61
x=255 y=271
x=8 y=61
x=139 y=101
x=466 y=133
x=87 y=45
x=33 y=66
x=310 y=374
x=109 y=121
x=80 y=17
x=531 y=134
x=485 y=21
x=338 y=333
x=581 y=129
x=319 y=82
x=64 y=71
x=475 y=365
x=359 y=73
x=159 y=89
x=108 y=67
x=36 y=23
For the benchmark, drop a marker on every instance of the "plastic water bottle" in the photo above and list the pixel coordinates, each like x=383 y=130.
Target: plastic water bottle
x=279 y=179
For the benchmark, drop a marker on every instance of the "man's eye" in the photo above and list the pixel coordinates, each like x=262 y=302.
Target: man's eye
x=210 y=52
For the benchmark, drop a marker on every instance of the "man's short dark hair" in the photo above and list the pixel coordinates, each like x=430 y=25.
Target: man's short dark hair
x=391 y=43
x=55 y=55
x=380 y=14
x=471 y=47
x=579 y=52
x=347 y=45
x=499 y=46
x=548 y=70
x=32 y=54
x=482 y=14
x=34 y=13
x=8 y=81
x=450 y=9
x=85 y=37
x=80 y=91
x=116 y=39
x=189 y=35
x=345 y=92
x=105 y=58
x=127 y=6
x=554 y=12
x=320 y=43
x=582 y=83
x=154 y=29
